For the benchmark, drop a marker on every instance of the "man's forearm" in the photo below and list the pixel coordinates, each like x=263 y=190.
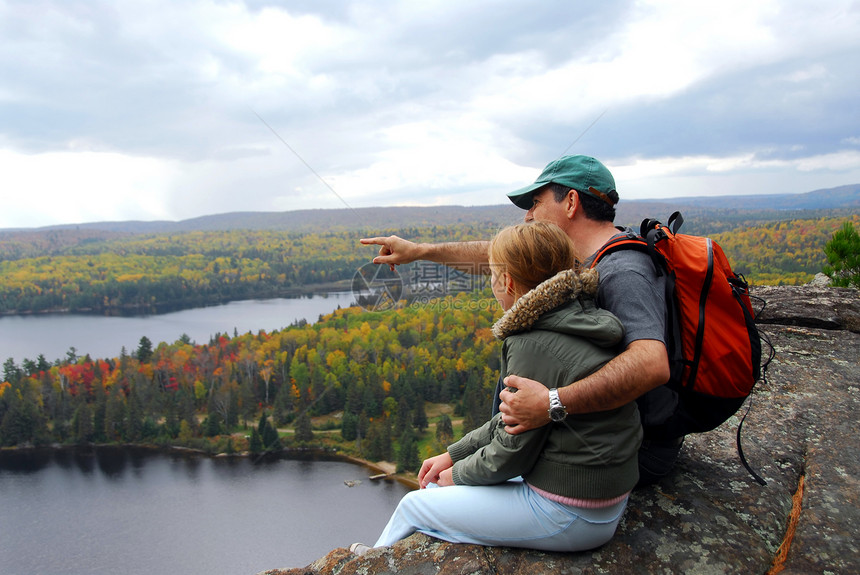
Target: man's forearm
x=470 y=257
x=640 y=368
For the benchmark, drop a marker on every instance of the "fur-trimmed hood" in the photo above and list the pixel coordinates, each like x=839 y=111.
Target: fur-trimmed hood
x=544 y=308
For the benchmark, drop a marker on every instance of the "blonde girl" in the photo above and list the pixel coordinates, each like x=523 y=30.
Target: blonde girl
x=563 y=486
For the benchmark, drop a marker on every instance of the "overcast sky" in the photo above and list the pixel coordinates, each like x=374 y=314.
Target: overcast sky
x=132 y=110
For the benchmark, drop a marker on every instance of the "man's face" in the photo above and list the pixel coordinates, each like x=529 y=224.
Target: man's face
x=546 y=209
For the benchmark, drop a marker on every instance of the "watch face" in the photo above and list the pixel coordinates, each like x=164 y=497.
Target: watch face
x=557 y=413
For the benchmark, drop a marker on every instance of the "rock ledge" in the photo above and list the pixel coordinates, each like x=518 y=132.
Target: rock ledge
x=710 y=516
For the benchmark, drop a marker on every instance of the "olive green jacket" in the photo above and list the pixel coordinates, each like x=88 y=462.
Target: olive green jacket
x=556 y=335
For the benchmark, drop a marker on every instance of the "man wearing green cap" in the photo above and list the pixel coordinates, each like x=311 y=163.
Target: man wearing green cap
x=578 y=194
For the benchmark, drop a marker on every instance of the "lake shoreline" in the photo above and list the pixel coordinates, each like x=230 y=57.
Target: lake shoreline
x=385 y=468
x=142 y=310
x=99 y=336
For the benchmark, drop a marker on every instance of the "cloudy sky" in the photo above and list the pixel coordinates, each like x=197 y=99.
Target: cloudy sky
x=146 y=110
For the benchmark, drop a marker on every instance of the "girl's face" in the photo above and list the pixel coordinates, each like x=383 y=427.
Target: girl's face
x=503 y=286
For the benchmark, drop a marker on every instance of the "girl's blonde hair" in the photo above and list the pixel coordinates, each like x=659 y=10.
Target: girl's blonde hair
x=532 y=253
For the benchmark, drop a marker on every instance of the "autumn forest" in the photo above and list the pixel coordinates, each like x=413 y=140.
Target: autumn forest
x=393 y=385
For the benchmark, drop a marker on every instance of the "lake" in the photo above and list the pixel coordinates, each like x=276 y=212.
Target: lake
x=133 y=511
x=26 y=336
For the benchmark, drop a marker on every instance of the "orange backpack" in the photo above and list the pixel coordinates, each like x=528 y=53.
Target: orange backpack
x=713 y=344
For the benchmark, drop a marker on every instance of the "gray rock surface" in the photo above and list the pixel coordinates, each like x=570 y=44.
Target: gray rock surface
x=810 y=306
x=710 y=516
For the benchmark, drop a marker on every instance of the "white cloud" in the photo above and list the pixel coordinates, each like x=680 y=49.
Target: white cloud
x=152 y=104
x=76 y=187
x=639 y=178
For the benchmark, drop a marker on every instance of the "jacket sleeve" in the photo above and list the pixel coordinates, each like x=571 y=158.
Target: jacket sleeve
x=490 y=454
x=505 y=456
x=471 y=442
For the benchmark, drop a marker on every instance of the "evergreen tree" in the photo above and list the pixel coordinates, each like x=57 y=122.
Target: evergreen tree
x=363 y=429
x=283 y=406
x=255 y=445
x=419 y=416
x=11 y=372
x=233 y=410
x=114 y=413
x=474 y=405
x=407 y=455
x=144 y=350
x=99 y=418
x=349 y=426
x=82 y=423
x=149 y=429
x=270 y=436
x=403 y=421
x=379 y=440
x=29 y=366
x=185 y=407
x=42 y=364
x=262 y=423
x=133 y=429
x=19 y=421
x=843 y=257
x=171 y=420
x=248 y=404
x=369 y=402
x=212 y=425
x=304 y=432
x=444 y=430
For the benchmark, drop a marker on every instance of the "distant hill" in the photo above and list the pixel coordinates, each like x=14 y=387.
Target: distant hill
x=697 y=211
x=710 y=215
x=824 y=199
x=310 y=220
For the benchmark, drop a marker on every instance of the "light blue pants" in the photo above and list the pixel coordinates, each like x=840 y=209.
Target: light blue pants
x=509 y=514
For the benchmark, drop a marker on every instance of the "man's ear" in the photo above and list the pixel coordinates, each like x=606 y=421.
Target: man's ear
x=571 y=203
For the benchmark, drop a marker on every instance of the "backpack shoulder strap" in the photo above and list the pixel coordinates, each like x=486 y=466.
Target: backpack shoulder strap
x=627 y=241
x=631 y=241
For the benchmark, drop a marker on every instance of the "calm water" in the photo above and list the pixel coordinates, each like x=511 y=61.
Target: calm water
x=121 y=511
x=25 y=337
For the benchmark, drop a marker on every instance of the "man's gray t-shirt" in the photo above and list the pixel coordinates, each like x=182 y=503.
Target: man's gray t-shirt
x=630 y=287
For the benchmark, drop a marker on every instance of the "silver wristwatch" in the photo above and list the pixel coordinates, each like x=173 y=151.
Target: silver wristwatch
x=557 y=411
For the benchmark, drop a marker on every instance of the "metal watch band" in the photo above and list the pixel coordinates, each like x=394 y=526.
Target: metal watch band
x=557 y=411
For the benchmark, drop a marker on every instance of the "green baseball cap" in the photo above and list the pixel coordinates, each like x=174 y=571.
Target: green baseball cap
x=582 y=173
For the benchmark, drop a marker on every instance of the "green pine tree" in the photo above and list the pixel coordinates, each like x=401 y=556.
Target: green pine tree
x=212 y=425
x=843 y=257
x=82 y=423
x=407 y=455
x=270 y=436
x=256 y=443
x=304 y=432
x=133 y=430
x=379 y=440
x=419 y=416
x=403 y=420
x=444 y=430
x=144 y=350
x=349 y=426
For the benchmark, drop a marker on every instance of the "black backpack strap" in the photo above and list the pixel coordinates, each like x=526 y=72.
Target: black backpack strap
x=755 y=475
x=675 y=222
